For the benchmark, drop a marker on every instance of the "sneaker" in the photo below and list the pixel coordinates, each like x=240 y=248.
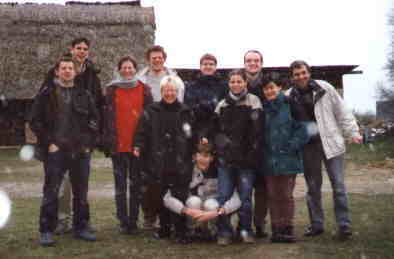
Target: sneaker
x=46 y=239
x=312 y=232
x=224 y=241
x=124 y=230
x=90 y=228
x=345 y=232
x=260 y=233
x=247 y=238
x=85 y=235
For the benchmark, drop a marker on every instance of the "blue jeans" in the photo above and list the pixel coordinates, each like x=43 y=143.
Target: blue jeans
x=243 y=180
x=55 y=166
x=313 y=158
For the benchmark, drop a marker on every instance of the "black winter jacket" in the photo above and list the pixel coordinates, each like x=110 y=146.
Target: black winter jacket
x=150 y=138
x=239 y=132
x=44 y=114
x=202 y=96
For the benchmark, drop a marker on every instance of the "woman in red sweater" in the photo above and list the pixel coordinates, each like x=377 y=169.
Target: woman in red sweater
x=125 y=99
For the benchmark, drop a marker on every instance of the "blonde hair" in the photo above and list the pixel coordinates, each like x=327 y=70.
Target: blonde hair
x=173 y=80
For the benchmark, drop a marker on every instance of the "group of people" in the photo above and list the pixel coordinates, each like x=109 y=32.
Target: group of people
x=191 y=156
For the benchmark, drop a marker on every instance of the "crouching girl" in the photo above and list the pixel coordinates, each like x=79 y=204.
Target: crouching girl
x=202 y=205
x=237 y=139
x=284 y=139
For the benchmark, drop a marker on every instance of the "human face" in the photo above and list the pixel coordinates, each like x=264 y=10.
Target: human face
x=237 y=84
x=271 y=91
x=301 y=76
x=169 y=93
x=80 y=52
x=253 y=63
x=127 y=70
x=208 y=67
x=65 y=71
x=203 y=161
x=156 y=61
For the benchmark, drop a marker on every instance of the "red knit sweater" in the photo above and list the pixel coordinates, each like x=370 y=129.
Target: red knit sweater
x=129 y=105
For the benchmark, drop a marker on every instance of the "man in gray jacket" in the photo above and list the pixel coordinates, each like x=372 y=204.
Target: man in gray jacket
x=329 y=123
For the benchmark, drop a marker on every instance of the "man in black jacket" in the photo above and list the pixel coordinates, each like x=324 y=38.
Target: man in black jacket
x=86 y=77
x=65 y=120
x=203 y=94
x=163 y=140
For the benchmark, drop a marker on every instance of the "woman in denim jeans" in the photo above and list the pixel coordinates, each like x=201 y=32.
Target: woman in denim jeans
x=237 y=137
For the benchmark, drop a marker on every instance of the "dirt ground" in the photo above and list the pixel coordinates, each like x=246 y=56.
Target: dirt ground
x=369 y=180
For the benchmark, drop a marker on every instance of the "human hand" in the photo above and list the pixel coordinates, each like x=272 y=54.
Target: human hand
x=207 y=215
x=53 y=148
x=357 y=140
x=136 y=151
x=194 y=213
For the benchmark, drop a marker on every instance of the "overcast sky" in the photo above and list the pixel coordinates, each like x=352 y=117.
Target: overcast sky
x=322 y=32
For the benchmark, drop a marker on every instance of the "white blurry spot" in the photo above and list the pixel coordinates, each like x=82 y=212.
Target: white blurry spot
x=187 y=129
x=193 y=202
x=371 y=147
x=5 y=208
x=26 y=153
x=211 y=205
x=8 y=170
x=255 y=115
x=312 y=129
x=244 y=233
x=3 y=100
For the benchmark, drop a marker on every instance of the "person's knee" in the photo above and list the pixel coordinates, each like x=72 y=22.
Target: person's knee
x=211 y=205
x=194 y=202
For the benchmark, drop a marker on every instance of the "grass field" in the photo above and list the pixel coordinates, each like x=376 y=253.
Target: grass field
x=372 y=215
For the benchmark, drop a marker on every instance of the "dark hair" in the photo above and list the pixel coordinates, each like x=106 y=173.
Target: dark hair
x=155 y=48
x=206 y=149
x=125 y=59
x=299 y=64
x=239 y=72
x=64 y=58
x=272 y=78
x=253 y=51
x=208 y=57
x=80 y=40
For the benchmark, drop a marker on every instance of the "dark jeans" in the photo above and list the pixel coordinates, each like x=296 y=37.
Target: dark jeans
x=260 y=202
x=151 y=201
x=313 y=158
x=56 y=165
x=179 y=190
x=281 y=201
x=125 y=167
x=243 y=180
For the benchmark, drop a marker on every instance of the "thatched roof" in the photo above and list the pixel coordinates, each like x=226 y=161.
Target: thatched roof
x=33 y=36
x=77 y=14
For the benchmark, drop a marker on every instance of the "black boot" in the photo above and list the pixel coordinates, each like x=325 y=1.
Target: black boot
x=163 y=232
x=288 y=235
x=276 y=236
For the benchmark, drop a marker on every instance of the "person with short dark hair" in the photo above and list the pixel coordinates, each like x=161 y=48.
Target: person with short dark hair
x=284 y=138
x=317 y=103
x=66 y=122
x=203 y=94
x=253 y=64
x=237 y=143
x=125 y=99
x=202 y=205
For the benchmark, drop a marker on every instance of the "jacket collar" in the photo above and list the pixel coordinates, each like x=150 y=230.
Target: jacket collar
x=318 y=91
